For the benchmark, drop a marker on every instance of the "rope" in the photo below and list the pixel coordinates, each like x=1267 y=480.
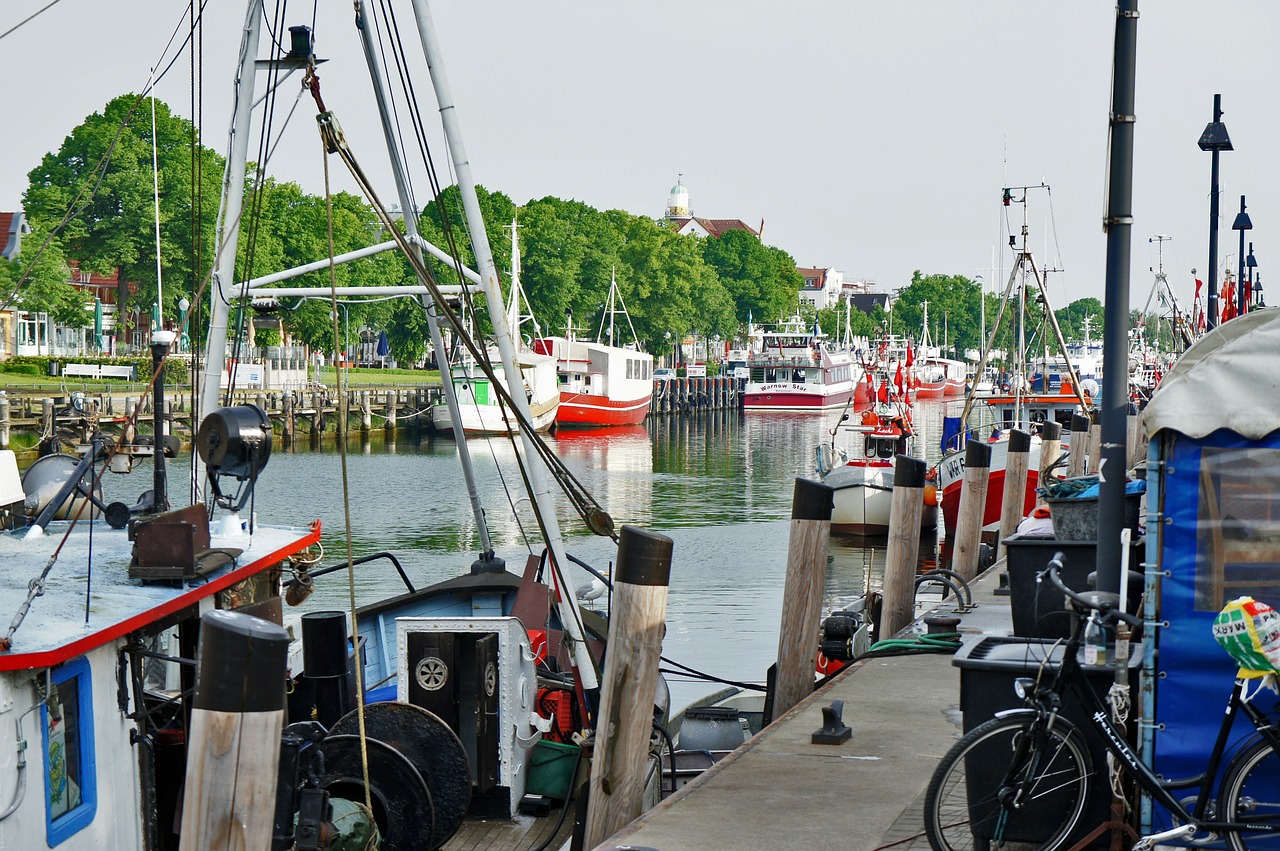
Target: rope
x=346 y=492
x=941 y=642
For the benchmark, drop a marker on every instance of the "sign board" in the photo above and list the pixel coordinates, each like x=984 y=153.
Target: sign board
x=247 y=374
x=696 y=370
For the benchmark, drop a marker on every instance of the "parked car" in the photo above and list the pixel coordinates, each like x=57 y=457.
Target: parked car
x=663 y=374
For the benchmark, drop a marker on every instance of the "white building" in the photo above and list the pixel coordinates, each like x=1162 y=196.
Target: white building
x=681 y=215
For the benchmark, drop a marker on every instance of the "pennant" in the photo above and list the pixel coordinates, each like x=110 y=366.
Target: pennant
x=1199 y=284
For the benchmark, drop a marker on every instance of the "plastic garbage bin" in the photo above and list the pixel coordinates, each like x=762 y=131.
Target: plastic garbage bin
x=988 y=668
x=1038 y=610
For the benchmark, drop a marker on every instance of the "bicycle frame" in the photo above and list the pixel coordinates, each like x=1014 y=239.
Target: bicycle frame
x=1071 y=674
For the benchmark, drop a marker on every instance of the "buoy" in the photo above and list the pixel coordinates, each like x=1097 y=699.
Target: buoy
x=930 y=495
x=870 y=418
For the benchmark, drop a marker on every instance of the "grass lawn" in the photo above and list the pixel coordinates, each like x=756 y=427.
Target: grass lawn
x=379 y=377
x=329 y=377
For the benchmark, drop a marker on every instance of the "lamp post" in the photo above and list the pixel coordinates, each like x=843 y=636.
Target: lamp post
x=1242 y=224
x=671 y=352
x=1214 y=139
x=184 y=340
x=1255 y=285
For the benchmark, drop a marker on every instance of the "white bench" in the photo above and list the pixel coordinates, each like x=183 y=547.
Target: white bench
x=97 y=370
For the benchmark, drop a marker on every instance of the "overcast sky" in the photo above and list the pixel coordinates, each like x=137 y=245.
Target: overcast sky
x=873 y=137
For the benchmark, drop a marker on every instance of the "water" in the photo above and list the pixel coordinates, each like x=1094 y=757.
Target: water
x=720 y=485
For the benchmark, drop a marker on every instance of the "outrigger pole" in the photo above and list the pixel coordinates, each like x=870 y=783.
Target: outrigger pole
x=539 y=489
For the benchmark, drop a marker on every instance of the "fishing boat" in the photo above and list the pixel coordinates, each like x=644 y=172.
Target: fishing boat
x=601 y=384
x=858 y=464
x=796 y=369
x=1013 y=403
x=481 y=404
x=932 y=375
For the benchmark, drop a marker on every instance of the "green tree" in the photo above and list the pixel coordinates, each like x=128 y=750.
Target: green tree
x=761 y=280
x=954 y=310
x=113 y=225
x=47 y=288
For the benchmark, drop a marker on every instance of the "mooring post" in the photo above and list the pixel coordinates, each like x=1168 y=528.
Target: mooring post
x=391 y=412
x=1014 y=499
x=1136 y=446
x=1095 y=445
x=903 y=549
x=237 y=717
x=1079 y=445
x=973 y=508
x=5 y=420
x=288 y=418
x=366 y=412
x=811 y=504
x=621 y=759
x=48 y=425
x=1050 y=449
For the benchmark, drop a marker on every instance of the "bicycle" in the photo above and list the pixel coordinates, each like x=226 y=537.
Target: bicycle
x=1044 y=767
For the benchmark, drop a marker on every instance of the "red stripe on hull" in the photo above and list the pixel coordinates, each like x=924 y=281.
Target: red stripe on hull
x=995 y=496
x=931 y=391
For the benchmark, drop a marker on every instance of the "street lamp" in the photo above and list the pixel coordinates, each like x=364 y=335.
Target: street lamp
x=1242 y=224
x=1214 y=139
x=671 y=352
x=1255 y=285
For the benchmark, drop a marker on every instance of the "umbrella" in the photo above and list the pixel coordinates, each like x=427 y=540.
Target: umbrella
x=383 y=348
x=97 y=322
x=155 y=317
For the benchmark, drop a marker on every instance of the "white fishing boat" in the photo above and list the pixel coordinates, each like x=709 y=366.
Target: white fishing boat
x=601 y=384
x=481 y=406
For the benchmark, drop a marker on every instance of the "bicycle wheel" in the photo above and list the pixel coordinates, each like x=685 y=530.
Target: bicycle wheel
x=1251 y=793
x=962 y=806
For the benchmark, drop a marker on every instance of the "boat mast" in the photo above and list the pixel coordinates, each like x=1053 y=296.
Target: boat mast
x=539 y=489
x=228 y=232
x=410 y=211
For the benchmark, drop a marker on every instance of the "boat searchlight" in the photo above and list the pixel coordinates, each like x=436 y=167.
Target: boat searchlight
x=235 y=443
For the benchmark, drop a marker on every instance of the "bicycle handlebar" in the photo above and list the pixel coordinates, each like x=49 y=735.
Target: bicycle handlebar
x=1103 y=607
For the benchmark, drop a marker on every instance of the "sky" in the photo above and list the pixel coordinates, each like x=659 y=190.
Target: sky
x=871 y=137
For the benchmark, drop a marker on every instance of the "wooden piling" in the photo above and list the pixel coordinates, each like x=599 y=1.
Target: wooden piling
x=811 y=504
x=1135 y=442
x=621 y=759
x=1050 y=449
x=391 y=412
x=48 y=424
x=1013 y=500
x=1079 y=445
x=237 y=717
x=1095 y=446
x=5 y=420
x=288 y=419
x=903 y=549
x=366 y=412
x=973 y=504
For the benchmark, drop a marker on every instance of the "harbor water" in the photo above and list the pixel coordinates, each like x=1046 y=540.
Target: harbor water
x=719 y=484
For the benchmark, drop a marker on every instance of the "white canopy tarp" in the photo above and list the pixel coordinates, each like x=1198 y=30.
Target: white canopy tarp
x=1230 y=379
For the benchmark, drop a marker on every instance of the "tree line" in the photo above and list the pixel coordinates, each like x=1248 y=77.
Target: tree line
x=673 y=285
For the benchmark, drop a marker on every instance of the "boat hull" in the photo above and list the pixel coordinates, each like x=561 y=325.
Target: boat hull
x=775 y=397
x=951 y=480
x=863 y=500
x=580 y=410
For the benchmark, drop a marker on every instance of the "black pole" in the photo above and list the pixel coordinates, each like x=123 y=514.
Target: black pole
x=1115 y=336
x=159 y=483
x=1215 y=139
x=1242 y=305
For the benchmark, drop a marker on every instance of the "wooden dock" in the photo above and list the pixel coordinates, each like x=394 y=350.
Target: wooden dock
x=780 y=791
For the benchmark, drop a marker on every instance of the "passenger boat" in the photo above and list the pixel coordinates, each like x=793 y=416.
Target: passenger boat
x=797 y=370
x=601 y=384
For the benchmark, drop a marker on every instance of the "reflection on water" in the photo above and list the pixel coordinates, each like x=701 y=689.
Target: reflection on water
x=720 y=485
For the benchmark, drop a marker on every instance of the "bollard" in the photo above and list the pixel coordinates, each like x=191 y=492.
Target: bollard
x=325 y=664
x=811 y=505
x=1013 y=502
x=1050 y=449
x=620 y=763
x=1079 y=445
x=903 y=550
x=973 y=507
x=233 y=749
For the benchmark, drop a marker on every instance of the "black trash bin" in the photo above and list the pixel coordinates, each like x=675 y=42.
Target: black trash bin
x=1038 y=609
x=988 y=668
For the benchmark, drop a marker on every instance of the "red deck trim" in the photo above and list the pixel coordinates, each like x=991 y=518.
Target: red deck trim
x=58 y=655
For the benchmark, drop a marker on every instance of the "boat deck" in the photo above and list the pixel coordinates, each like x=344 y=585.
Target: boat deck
x=780 y=791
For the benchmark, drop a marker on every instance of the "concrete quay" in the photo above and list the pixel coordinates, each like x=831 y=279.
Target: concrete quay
x=779 y=791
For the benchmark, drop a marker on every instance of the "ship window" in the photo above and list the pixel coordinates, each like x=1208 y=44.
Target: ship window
x=70 y=774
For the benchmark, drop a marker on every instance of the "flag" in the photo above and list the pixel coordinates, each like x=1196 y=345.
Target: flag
x=884 y=391
x=911 y=357
x=1228 y=301
x=1199 y=284
x=897 y=380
